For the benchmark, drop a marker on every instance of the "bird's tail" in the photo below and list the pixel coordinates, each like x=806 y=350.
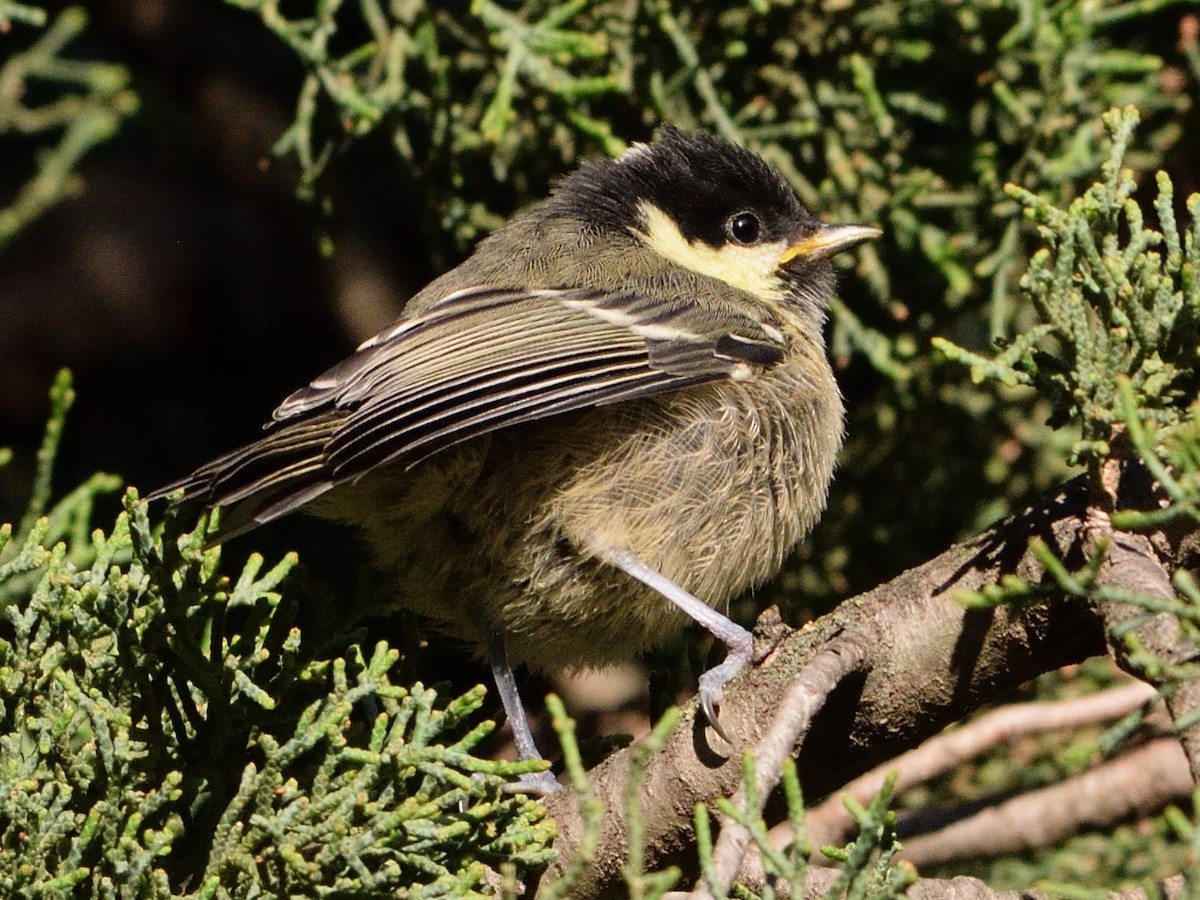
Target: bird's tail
x=273 y=476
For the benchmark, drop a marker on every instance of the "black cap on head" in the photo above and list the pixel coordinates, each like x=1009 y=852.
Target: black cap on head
x=701 y=182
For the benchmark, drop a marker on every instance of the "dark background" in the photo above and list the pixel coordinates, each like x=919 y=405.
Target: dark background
x=184 y=286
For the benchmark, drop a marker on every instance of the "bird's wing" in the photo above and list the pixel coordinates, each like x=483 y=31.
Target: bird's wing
x=487 y=358
x=479 y=360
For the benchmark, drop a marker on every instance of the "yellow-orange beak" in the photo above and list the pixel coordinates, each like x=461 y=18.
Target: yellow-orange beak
x=828 y=240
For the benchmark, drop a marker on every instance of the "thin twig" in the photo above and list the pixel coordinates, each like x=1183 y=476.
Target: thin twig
x=803 y=701
x=830 y=823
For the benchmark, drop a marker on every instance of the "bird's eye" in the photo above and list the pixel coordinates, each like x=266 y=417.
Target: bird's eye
x=743 y=227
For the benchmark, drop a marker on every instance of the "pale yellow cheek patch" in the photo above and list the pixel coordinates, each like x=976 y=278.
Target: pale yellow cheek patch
x=754 y=270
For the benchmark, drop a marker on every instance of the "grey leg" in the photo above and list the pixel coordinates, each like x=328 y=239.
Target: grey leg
x=506 y=686
x=739 y=641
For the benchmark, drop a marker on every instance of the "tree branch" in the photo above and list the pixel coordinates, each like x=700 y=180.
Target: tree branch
x=1138 y=783
x=1131 y=565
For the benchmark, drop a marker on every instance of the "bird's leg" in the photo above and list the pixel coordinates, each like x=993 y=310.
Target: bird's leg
x=506 y=686
x=739 y=641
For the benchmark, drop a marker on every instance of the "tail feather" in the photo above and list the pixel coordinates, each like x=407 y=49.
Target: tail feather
x=275 y=475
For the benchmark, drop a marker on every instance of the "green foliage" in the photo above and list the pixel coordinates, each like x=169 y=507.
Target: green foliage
x=1119 y=304
x=1171 y=451
x=79 y=104
x=590 y=806
x=642 y=885
x=408 y=77
x=843 y=98
x=1116 y=353
x=166 y=732
x=868 y=866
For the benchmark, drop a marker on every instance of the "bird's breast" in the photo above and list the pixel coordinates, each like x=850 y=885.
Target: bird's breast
x=713 y=486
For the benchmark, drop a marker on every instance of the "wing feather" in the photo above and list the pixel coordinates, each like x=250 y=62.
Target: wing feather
x=478 y=360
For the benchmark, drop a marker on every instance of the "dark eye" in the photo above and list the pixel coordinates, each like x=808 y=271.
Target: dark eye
x=743 y=227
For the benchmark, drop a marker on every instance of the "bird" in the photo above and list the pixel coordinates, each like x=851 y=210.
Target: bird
x=616 y=415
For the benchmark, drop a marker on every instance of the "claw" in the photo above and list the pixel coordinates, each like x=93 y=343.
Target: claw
x=709 y=704
x=712 y=682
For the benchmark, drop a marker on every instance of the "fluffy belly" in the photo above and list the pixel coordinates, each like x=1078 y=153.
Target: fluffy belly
x=713 y=488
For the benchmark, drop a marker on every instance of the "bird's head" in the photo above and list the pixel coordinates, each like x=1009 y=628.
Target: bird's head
x=714 y=208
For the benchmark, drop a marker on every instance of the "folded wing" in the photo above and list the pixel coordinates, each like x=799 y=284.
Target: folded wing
x=479 y=360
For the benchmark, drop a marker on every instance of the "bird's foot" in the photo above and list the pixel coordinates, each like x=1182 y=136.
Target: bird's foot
x=712 y=683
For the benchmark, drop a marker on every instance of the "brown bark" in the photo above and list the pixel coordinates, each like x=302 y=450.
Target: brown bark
x=1132 y=565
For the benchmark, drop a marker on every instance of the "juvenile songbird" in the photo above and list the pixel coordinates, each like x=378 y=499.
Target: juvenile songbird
x=616 y=415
